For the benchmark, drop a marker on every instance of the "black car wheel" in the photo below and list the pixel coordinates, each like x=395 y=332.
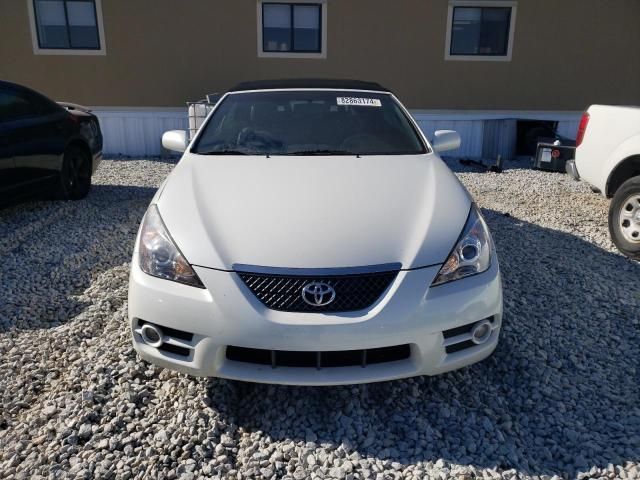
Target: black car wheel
x=75 y=177
x=624 y=218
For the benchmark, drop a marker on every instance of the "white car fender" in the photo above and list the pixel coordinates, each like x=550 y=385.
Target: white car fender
x=629 y=148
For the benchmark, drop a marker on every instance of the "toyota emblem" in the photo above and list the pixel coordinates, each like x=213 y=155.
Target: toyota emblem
x=318 y=294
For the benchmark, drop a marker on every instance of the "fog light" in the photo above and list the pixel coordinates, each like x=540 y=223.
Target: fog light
x=481 y=332
x=151 y=335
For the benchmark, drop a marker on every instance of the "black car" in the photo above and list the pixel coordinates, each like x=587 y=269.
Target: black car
x=46 y=149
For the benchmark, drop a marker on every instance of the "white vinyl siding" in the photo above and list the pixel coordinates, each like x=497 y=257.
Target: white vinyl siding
x=138 y=131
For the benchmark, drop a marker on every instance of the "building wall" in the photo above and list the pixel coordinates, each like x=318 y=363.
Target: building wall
x=138 y=131
x=160 y=53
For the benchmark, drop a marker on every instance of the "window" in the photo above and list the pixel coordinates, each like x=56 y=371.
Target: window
x=291 y=29
x=67 y=26
x=479 y=30
x=318 y=122
x=15 y=105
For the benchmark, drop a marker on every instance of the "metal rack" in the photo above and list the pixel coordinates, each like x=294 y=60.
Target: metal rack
x=199 y=110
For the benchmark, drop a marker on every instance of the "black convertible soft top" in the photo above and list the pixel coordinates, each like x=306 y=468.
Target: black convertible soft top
x=309 y=83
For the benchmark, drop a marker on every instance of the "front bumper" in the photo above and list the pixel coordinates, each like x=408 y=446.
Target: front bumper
x=572 y=170
x=227 y=313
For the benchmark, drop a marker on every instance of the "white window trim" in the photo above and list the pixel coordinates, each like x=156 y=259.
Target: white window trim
x=480 y=3
x=323 y=33
x=66 y=51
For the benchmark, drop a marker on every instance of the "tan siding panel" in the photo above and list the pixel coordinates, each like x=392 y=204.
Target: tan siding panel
x=567 y=54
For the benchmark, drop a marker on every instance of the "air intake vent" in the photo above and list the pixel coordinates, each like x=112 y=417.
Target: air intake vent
x=319 y=360
x=285 y=293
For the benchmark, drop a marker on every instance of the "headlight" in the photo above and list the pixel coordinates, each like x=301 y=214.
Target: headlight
x=472 y=254
x=159 y=256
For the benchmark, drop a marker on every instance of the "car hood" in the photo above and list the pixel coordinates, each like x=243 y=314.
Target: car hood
x=313 y=212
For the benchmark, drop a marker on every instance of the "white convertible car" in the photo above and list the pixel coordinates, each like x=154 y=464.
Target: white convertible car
x=310 y=234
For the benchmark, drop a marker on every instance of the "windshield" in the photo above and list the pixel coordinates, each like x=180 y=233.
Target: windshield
x=305 y=122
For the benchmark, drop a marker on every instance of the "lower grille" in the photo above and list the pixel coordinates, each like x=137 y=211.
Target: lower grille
x=285 y=293
x=454 y=332
x=343 y=358
x=176 y=350
x=457 y=347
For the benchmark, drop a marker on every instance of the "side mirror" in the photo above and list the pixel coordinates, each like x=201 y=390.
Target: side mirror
x=445 y=140
x=175 y=140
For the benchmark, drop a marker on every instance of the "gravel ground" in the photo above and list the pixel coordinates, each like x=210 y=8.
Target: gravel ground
x=560 y=397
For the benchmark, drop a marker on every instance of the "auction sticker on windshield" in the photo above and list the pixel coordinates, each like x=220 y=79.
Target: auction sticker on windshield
x=362 y=102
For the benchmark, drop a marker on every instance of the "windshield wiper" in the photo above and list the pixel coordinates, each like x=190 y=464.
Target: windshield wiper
x=224 y=152
x=323 y=152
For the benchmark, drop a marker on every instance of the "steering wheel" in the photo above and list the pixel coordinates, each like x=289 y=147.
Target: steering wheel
x=257 y=138
x=247 y=134
x=363 y=142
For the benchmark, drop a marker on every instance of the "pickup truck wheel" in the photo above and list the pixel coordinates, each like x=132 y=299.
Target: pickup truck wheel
x=75 y=177
x=624 y=218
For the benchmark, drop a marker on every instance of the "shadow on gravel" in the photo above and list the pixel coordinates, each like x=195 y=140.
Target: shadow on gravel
x=51 y=250
x=518 y=164
x=560 y=394
x=169 y=159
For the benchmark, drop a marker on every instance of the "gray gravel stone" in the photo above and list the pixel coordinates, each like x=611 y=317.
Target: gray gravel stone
x=558 y=399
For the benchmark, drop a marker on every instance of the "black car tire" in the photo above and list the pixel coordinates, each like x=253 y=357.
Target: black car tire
x=625 y=231
x=75 y=177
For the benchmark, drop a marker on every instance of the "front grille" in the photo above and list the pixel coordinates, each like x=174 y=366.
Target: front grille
x=342 y=358
x=352 y=292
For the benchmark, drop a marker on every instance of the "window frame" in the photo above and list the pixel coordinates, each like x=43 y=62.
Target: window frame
x=513 y=5
x=321 y=54
x=38 y=50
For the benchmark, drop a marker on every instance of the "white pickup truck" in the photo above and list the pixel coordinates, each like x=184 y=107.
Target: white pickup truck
x=608 y=157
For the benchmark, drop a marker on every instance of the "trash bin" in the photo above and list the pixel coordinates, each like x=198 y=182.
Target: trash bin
x=552 y=156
